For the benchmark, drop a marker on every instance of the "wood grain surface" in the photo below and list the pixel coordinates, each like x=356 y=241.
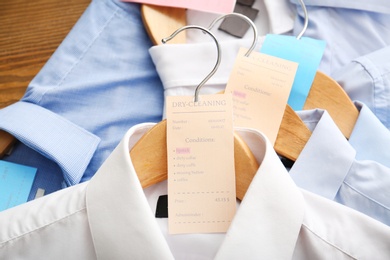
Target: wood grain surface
x=30 y=31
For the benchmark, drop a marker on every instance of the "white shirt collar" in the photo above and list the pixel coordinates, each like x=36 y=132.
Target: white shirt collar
x=182 y=67
x=186 y=65
x=259 y=222
x=274 y=220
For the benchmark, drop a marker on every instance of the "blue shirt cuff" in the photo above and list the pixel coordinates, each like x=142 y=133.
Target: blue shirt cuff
x=56 y=138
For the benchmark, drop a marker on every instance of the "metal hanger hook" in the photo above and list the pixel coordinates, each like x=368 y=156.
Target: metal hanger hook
x=249 y=21
x=165 y=40
x=306 y=20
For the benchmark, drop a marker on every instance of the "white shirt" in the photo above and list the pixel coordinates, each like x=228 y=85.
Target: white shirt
x=111 y=217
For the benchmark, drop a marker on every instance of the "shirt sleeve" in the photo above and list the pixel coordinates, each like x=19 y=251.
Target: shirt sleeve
x=56 y=138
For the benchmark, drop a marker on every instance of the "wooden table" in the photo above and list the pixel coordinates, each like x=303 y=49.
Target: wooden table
x=30 y=31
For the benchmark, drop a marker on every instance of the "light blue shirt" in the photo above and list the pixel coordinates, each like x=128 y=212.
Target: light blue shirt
x=350 y=28
x=367 y=78
x=349 y=173
x=98 y=83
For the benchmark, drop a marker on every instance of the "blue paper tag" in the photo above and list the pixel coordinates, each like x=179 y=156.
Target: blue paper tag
x=15 y=184
x=305 y=51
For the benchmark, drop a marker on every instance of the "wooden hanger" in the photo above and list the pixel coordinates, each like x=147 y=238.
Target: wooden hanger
x=149 y=154
x=293 y=133
x=326 y=93
x=161 y=21
x=6 y=142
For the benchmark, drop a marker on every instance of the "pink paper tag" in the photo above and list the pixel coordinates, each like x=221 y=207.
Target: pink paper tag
x=214 y=6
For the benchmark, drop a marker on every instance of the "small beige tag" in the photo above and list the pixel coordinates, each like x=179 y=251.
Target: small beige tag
x=201 y=179
x=260 y=85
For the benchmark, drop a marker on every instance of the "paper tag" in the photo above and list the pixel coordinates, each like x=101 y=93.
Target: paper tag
x=201 y=179
x=15 y=184
x=6 y=143
x=260 y=85
x=225 y=6
x=307 y=52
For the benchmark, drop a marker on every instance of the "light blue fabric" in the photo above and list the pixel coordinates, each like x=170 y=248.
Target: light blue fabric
x=350 y=28
x=379 y=6
x=370 y=138
x=70 y=146
x=98 y=83
x=329 y=166
x=367 y=79
x=358 y=47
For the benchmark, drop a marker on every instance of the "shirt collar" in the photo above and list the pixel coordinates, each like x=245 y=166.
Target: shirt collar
x=271 y=213
x=327 y=155
x=174 y=62
x=259 y=222
x=370 y=138
x=58 y=139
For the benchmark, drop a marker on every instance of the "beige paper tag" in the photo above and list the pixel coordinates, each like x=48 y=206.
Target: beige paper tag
x=201 y=179
x=260 y=85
